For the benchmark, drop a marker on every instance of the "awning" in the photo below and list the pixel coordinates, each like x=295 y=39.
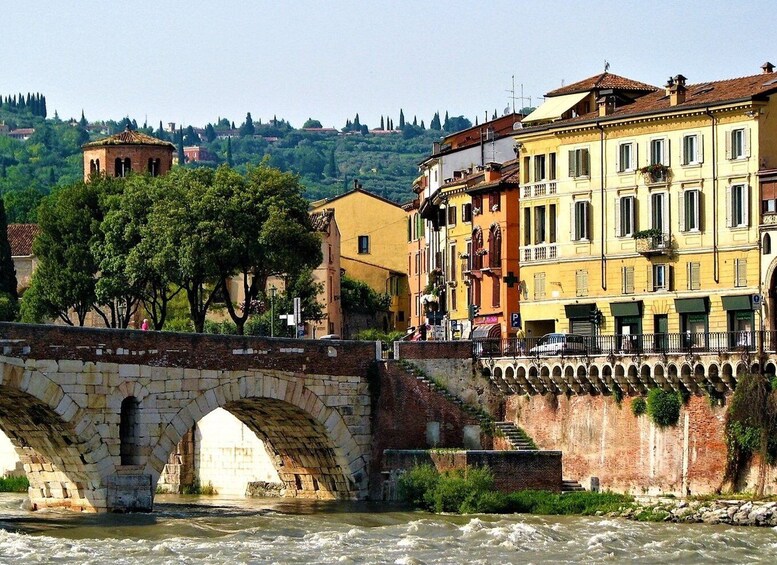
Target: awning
x=487 y=331
x=554 y=107
x=579 y=310
x=691 y=305
x=741 y=302
x=624 y=309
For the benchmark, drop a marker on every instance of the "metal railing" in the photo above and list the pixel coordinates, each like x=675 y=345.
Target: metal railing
x=568 y=345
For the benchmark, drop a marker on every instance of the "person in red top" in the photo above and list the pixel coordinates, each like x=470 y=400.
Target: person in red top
x=144 y=325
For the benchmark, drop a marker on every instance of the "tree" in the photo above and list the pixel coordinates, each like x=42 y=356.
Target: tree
x=191 y=137
x=356 y=124
x=82 y=122
x=445 y=124
x=435 y=123
x=456 y=123
x=415 y=120
x=331 y=165
x=311 y=123
x=381 y=123
x=210 y=133
x=401 y=119
x=229 y=152
x=179 y=144
x=247 y=128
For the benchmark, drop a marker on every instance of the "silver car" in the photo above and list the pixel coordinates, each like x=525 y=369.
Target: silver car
x=559 y=344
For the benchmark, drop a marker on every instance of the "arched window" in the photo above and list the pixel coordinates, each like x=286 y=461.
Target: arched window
x=129 y=431
x=97 y=164
x=127 y=166
x=477 y=249
x=153 y=167
x=92 y=167
x=767 y=245
x=497 y=291
x=495 y=247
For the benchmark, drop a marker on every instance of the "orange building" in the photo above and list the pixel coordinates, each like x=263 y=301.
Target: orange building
x=493 y=263
x=128 y=151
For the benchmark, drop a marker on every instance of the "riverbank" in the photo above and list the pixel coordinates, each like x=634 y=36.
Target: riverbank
x=691 y=511
x=14 y=484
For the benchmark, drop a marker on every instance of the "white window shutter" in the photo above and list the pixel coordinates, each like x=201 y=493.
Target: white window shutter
x=634 y=214
x=728 y=207
x=635 y=157
x=618 y=149
x=746 y=204
x=728 y=138
x=572 y=168
x=649 y=287
x=681 y=210
x=700 y=211
x=683 y=160
x=746 y=142
x=667 y=156
x=700 y=156
x=665 y=213
x=618 y=228
x=572 y=222
x=689 y=275
x=586 y=163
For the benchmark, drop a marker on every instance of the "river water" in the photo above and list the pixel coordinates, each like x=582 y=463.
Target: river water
x=221 y=530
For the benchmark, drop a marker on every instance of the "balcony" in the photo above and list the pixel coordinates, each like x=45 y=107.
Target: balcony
x=539 y=189
x=539 y=252
x=650 y=243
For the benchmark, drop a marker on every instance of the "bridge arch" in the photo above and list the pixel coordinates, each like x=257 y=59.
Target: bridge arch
x=313 y=449
x=58 y=443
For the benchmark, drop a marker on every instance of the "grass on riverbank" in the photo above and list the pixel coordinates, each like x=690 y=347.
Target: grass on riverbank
x=452 y=491
x=14 y=484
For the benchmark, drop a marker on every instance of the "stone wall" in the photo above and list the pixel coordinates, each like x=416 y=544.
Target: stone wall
x=512 y=470
x=600 y=438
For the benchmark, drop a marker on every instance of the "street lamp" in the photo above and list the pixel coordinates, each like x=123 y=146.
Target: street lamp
x=272 y=310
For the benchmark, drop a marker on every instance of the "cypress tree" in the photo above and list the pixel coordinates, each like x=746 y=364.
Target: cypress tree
x=401 y=119
x=229 y=151
x=415 y=120
x=381 y=123
x=435 y=123
x=356 y=124
x=422 y=125
x=82 y=122
x=181 y=156
x=7 y=271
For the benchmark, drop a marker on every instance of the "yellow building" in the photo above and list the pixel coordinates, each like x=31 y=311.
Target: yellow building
x=639 y=209
x=373 y=247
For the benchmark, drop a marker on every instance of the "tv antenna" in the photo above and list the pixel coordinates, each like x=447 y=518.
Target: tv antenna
x=522 y=98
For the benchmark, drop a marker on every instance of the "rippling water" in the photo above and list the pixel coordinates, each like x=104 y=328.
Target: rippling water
x=219 y=530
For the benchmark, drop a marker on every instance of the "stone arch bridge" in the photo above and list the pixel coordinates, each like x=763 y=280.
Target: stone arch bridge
x=95 y=413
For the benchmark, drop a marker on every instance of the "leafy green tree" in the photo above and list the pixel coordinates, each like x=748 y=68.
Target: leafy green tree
x=331 y=165
x=311 y=123
x=456 y=123
x=210 y=133
x=247 y=127
x=191 y=137
x=7 y=271
x=22 y=205
x=229 y=152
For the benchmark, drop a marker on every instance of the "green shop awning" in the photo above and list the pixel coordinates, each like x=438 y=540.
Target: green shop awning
x=741 y=302
x=579 y=310
x=624 y=309
x=691 y=305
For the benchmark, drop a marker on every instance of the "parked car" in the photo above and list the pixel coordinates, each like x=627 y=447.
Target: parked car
x=330 y=336
x=559 y=344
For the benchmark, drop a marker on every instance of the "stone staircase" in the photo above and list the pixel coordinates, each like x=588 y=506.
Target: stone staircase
x=568 y=485
x=514 y=435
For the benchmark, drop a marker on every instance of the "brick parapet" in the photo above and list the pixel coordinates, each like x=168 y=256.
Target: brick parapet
x=410 y=350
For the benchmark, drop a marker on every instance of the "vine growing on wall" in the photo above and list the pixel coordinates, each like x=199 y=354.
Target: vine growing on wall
x=663 y=407
x=751 y=427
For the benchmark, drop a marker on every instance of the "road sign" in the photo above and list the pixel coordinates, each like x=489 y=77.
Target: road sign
x=756 y=301
x=515 y=320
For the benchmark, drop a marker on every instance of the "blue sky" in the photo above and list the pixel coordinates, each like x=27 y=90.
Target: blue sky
x=191 y=62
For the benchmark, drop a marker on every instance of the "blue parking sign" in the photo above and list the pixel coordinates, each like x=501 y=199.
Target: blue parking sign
x=515 y=320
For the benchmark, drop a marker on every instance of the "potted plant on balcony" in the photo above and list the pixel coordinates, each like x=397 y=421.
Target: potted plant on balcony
x=655 y=172
x=652 y=238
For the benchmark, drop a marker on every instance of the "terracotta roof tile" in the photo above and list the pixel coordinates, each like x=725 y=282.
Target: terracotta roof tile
x=603 y=81
x=128 y=137
x=321 y=220
x=21 y=236
x=697 y=95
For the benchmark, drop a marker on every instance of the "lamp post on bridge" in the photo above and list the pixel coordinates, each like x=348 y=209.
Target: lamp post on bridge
x=272 y=310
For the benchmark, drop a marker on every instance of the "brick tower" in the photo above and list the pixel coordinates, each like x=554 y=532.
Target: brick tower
x=127 y=151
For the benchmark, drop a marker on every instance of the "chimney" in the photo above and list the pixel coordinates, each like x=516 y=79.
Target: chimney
x=435 y=147
x=606 y=105
x=767 y=68
x=677 y=91
x=492 y=172
x=668 y=86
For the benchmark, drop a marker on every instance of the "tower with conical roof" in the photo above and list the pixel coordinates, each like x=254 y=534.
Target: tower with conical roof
x=125 y=152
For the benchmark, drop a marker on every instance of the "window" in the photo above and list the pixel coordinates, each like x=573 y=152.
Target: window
x=539 y=168
x=690 y=207
x=661 y=275
x=526 y=169
x=737 y=146
x=738 y=211
x=539 y=286
x=551 y=166
x=581 y=215
x=452 y=215
x=364 y=244
x=496 y=291
x=658 y=153
x=477 y=205
x=692 y=149
x=766 y=247
x=539 y=225
x=417 y=262
x=659 y=212
x=418 y=304
x=694 y=276
x=527 y=226
x=578 y=163
x=552 y=224
x=581 y=282
x=466 y=212
x=129 y=431
x=626 y=210
x=740 y=272
x=153 y=167
x=468 y=262
x=409 y=228
x=493 y=201
x=477 y=249
x=122 y=167
x=495 y=247
x=452 y=262
x=627 y=280
x=627 y=158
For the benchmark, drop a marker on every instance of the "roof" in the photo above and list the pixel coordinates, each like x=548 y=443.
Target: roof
x=21 y=236
x=128 y=137
x=320 y=203
x=320 y=220
x=697 y=96
x=603 y=81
